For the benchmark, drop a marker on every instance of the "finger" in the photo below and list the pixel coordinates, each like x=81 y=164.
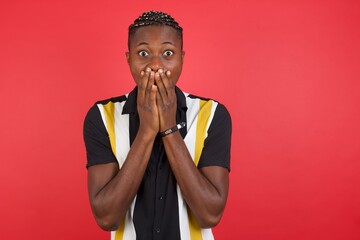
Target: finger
x=151 y=81
x=150 y=85
x=160 y=84
x=154 y=92
x=165 y=76
x=144 y=81
x=168 y=84
x=159 y=100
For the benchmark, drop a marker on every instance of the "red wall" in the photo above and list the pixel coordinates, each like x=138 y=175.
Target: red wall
x=288 y=71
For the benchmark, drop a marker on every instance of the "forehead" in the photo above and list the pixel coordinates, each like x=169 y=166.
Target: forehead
x=154 y=34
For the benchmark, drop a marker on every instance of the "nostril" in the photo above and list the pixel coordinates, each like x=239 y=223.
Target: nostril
x=155 y=68
x=155 y=63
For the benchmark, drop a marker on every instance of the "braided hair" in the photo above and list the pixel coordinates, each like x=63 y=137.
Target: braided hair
x=154 y=18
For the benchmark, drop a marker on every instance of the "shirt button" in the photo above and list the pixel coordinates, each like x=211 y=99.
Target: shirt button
x=157 y=230
x=161 y=198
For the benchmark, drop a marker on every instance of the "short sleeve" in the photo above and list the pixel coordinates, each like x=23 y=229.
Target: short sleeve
x=216 y=151
x=96 y=138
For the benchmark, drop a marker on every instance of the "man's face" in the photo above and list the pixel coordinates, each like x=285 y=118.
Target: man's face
x=155 y=47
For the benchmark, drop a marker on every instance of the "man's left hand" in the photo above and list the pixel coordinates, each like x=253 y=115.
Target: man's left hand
x=166 y=99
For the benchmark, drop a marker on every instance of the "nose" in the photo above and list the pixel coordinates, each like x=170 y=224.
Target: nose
x=155 y=63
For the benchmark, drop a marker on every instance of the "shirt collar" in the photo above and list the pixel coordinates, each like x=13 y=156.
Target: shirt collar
x=130 y=105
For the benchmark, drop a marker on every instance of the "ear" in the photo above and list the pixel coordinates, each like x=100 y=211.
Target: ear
x=127 y=54
x=182 y=56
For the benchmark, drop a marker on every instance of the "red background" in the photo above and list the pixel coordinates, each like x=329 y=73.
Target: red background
x=288 y=71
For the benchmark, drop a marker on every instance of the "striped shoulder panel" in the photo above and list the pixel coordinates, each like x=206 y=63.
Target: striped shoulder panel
x=117 y=126
x=199 y=116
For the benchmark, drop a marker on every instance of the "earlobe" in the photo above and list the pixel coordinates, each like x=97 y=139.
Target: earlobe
x=127 y=54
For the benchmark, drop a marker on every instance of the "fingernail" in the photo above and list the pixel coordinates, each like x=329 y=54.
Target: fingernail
x=168 y=73
x=148 y=69
x=160 y=70
x=142 y=73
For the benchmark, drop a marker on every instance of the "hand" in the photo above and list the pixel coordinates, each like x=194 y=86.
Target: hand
x=146 y=103
x=166 y=99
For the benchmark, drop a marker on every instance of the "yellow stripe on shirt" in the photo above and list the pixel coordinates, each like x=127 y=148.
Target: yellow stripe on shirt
x=109 y=111
x=203 y=118
x=202 y=121
x=110 y=123
x=119 y=234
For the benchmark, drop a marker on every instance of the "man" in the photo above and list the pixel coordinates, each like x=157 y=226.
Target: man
x=158 y=158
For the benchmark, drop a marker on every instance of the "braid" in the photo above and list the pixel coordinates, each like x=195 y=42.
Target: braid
x=155 y=18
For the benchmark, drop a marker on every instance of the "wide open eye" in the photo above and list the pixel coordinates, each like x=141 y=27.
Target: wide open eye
x=168 y=53
x=143 y=53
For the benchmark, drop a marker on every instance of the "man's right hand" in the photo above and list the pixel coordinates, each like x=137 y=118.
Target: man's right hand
x=146 y=104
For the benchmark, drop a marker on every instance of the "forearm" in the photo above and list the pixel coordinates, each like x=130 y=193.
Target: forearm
x=206 y=200
x=111 y=203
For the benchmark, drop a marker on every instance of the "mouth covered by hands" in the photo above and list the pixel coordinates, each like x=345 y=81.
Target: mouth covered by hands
x=156 y=101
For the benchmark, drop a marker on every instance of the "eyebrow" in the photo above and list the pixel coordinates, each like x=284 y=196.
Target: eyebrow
x=168 y=43
x=146 y=43
x=142 y=43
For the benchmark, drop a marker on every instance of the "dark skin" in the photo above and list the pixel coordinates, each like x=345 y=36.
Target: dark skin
x=155 y=58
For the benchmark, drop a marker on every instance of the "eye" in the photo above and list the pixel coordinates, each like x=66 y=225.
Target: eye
x=168 y=53
x=143 y=53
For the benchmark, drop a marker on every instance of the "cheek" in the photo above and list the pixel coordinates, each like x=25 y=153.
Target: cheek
x=135 y=75
x=135 y=72
x=174 y=67
x=176 y=72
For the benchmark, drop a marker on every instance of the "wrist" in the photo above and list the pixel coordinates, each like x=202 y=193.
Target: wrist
x=146 y=134
x=172 y=129
x=166 y=125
